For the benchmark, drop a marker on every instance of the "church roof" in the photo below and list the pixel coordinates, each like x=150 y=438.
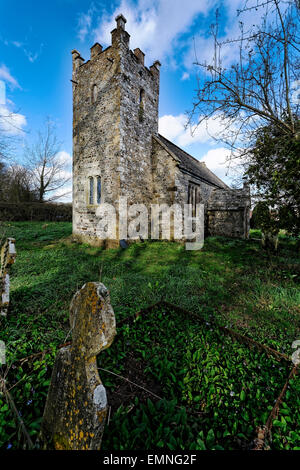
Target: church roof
x=191 y=164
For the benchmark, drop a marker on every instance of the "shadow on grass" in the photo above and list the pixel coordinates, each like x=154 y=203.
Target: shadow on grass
x=233 y=280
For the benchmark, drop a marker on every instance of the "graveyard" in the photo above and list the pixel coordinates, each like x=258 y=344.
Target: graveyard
x=201 y=358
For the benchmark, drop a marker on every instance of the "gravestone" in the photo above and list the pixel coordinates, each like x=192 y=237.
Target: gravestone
x=8 y=256
x=123 y=244
x=76 y=406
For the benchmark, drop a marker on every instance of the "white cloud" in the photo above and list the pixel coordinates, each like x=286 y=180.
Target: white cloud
x=176 y=128
x=216 y=161
x=85 y=22
x=172 y=127
x=154 y=26
x=219 y=162
x=17 y=43
x=7 y=77
x=11 y=123
x=185 y=76
x=157 y=28
x=65 y=174
x=64 y=158
x=31 y=56
x=62 y=195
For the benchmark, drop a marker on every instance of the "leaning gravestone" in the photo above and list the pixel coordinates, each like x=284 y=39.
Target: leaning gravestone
x=76 y=406
x=7 y=258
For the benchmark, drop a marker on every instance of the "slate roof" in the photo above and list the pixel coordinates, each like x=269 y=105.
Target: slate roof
x=191 y=164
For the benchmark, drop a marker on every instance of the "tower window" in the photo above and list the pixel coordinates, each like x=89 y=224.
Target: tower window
x=98 y=189
x=142 y=94
x=94 y=93
x=91 y=191
x=141 y=105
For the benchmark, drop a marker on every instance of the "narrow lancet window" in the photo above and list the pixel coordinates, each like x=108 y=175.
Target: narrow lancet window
x=94 y=93
x=98 y=189
x=91 y=191
x=193 y=198
x=141 y=105
x=141 y=95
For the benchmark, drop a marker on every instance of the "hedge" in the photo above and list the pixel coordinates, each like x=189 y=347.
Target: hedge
x=48 y=212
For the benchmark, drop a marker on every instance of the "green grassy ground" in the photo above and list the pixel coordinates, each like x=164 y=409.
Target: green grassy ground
x=233 y=281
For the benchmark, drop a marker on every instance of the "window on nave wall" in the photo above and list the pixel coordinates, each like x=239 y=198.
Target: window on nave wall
x=193 y=197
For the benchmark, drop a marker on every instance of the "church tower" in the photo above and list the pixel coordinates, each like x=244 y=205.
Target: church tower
x=115 y=114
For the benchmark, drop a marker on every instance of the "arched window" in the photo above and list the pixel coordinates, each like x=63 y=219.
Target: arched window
x=98 y=189
x=94 y=93
x=142 y=94
x=91 y=190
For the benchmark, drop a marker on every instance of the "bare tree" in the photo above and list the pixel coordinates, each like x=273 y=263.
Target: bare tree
x=46 y=167
x=5 y=155
x=3 y=148
x=256 y=90
x=10 y=135
x=17 y=185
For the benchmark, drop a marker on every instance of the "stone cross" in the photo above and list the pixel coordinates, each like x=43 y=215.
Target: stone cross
x=76 y=406
x=7 y=258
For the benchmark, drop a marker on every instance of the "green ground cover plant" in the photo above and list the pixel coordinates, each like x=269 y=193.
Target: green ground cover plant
x=216 y=391
x=285 y=432
x=232 y=281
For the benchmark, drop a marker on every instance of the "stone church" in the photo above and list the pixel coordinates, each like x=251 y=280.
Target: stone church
x=117 y=150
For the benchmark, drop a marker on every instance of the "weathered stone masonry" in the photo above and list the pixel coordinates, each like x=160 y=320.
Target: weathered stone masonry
x=117 y=150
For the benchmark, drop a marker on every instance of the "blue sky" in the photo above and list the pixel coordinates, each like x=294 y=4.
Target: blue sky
x=36 y=39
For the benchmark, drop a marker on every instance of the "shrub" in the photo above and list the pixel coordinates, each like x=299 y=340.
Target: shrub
x=49 y=212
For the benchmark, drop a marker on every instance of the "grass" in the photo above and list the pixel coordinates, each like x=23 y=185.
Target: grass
x=232 y=281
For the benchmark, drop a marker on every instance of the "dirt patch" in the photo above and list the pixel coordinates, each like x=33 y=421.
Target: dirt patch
x=125 y=392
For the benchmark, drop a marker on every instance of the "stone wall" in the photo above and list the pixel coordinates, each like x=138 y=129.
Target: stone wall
x=164 y=169
x=228 y=213
x=183 y=180
x=139 y=120
x=96 y=134
x=115 y=112
x=170 y=183
x=115 y=125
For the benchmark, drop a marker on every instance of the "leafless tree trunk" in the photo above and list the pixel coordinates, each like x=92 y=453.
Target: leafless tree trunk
x=46 y=168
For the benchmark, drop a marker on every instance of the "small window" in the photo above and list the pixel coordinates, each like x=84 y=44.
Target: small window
x=98 y=189
x=94 y=93
x=193 y=197
x=142 y=94
x=91 y=191
x=141 y=105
